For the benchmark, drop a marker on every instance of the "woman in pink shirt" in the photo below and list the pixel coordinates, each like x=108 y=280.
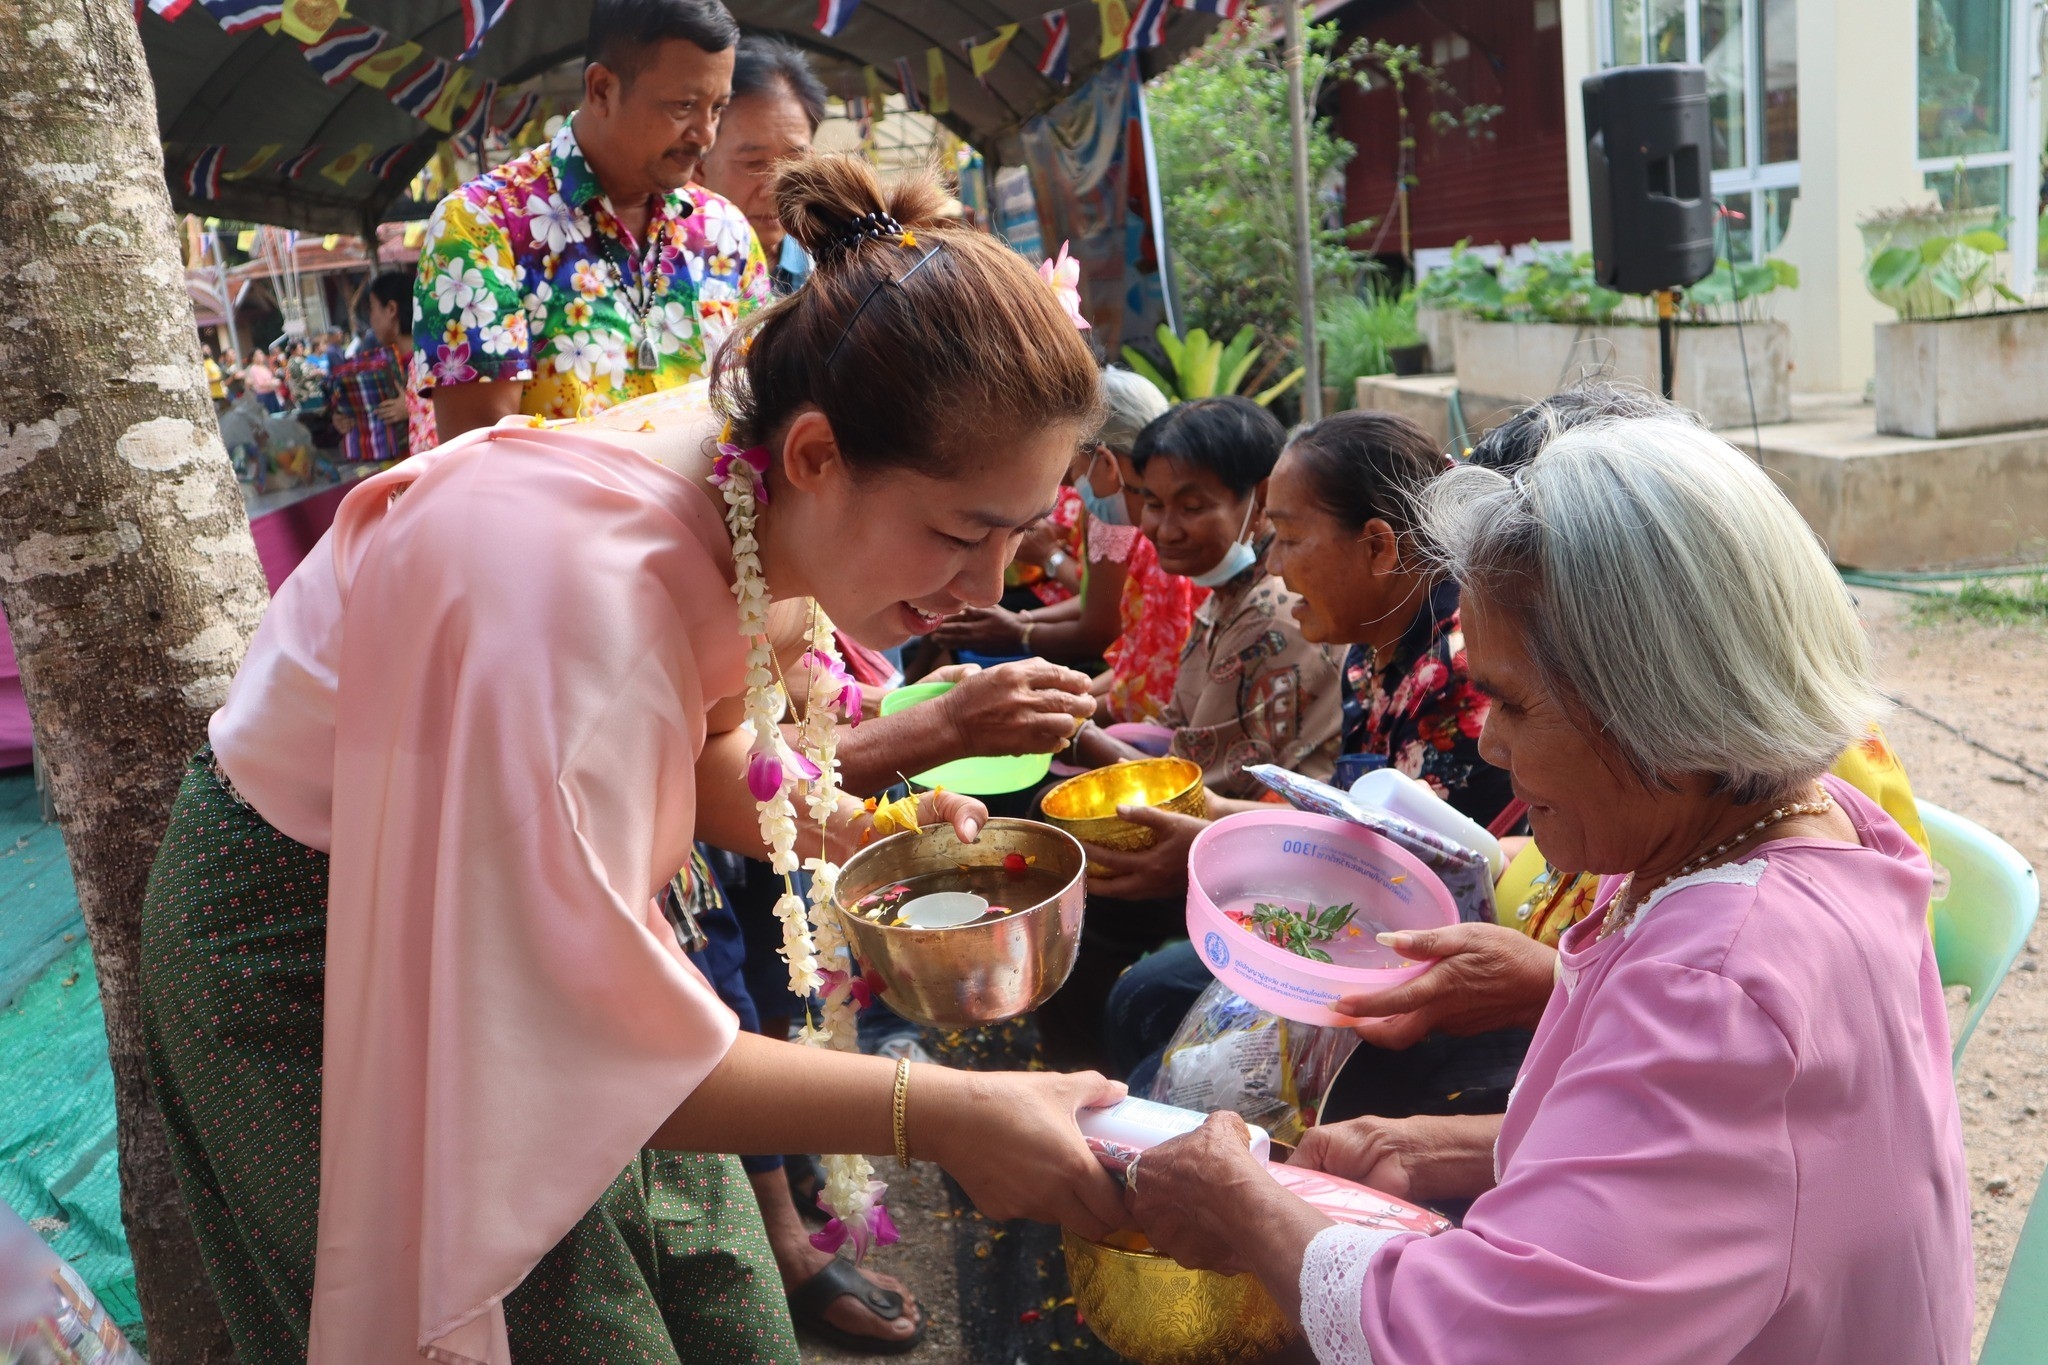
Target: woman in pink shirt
x=1735 y=1136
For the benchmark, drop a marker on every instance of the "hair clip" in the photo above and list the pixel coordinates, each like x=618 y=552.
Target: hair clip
x=868 y=227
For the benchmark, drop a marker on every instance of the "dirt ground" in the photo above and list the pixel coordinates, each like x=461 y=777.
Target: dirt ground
x=1984 y=680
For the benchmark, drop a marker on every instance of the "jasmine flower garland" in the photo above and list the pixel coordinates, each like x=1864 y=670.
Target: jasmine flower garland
x=820 y=962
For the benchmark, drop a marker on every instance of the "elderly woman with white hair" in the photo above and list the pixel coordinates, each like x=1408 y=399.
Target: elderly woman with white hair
x=1735 y=1136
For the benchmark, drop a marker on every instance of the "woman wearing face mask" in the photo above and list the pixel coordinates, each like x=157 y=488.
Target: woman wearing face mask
x=1251 y=688
x=1095 y=622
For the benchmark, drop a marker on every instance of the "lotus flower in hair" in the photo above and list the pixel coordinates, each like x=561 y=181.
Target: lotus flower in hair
x=1064 y=275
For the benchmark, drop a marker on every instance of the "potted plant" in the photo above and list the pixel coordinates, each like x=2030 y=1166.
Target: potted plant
x=1367 y=335
x=1951 y=365
x=1548 y=323
x=1466 y=284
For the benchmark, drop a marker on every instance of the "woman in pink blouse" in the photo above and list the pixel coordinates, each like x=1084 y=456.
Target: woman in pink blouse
x=1735 y=1136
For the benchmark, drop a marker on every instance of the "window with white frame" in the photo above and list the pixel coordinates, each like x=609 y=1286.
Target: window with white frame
x=1750 y=49
x=1979 y=117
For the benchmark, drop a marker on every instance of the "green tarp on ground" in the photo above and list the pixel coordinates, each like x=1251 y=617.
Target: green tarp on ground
x=57 y=1159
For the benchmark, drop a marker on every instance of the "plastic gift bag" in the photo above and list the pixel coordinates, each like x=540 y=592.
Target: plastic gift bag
x=1230 y=1054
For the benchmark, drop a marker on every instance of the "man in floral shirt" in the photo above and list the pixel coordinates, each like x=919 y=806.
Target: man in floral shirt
x=590 y=270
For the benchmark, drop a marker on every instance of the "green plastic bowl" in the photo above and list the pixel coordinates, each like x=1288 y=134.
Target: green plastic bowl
x=971 y=776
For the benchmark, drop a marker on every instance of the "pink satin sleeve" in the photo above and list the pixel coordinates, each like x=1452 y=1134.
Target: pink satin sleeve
x=527 y=634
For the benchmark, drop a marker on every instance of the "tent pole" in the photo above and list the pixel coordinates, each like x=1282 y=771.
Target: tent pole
x=227 y=300
x=1304 y=251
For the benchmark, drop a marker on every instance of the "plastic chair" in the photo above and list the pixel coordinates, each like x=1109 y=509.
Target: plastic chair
x=1982 y=921
x=2019 y=1325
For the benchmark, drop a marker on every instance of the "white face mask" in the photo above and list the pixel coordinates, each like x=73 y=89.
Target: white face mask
x=1239 y=557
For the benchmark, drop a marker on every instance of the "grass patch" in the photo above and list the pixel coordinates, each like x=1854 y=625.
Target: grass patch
x=2000 y=602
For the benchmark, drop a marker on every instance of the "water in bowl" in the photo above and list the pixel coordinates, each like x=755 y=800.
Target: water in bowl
x=1009 y=886
x=1353 y=945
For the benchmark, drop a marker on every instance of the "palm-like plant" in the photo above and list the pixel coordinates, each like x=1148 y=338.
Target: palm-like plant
x=1204 y=368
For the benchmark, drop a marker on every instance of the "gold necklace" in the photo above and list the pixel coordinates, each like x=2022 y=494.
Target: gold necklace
x=1818 y=806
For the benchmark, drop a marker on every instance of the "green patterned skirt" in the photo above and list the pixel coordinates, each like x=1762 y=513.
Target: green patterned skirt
x=670 y=1266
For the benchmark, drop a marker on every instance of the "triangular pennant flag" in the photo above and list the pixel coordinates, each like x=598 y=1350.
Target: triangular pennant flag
x=309 y=20
x=1115 y=20
x=833 y=15
x=478 y=16
x=202 y=175
x=345 y=48
x=476 y=120
x=878 y=95
x=254 y=163
x=1148 y=26
x=330 y=241
x=509 y=121
x=416 y=93
x=938 y=99
x=378 y=69
x=1053 y=65
x=1222 y=9
x=984 y=55
x=906 y=83
x=239 y=16
x=294 y=166
x=343 y=168
x=245 y=240
x=441 y=113
x=381 y=164
x=166 y=10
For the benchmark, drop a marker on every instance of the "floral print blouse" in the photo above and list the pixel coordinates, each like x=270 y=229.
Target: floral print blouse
x=1421 y=714
x=1156 y=611
x=527 y=276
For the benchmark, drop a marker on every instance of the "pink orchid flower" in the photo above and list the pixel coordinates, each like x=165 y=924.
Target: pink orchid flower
x=1064 y=275
x=831 y=979
x=765 y=775
x=849 y=690
x=755 y=460
x=876 y=1229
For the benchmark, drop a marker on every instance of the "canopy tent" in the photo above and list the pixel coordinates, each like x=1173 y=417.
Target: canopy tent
x=240 y=111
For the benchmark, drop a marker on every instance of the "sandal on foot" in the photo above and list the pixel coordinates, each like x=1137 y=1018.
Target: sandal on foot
x=808 y=1302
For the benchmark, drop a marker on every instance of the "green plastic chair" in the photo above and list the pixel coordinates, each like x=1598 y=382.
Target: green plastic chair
x=2019 y=1325
x=1982 y=921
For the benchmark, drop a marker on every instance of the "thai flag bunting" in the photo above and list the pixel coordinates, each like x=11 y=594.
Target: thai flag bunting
x=1148 y=26
x=239 y=16
x=416 y=93
x=834 y=14
x=515 y=118
x=476 y=120
x=1053 y=65
x=1222 y=9
x=478 y=17
x=907 y=85
x=166 y=10
x=202 y=176
x=292 y=167
x=346 y=47
x=381 y=164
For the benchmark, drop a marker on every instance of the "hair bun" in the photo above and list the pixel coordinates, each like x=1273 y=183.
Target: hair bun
x=834 y=203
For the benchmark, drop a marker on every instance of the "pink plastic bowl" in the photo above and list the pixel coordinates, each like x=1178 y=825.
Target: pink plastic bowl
x=1295 y=858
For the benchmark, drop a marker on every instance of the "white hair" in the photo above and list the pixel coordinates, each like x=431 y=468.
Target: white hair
x=1671 y=596
x=1132 y=402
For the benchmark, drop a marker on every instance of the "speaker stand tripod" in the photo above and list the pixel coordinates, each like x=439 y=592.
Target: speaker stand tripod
x=1667 y=337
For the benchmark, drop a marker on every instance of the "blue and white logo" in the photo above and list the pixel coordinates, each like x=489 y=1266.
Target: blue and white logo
x=1217 y=949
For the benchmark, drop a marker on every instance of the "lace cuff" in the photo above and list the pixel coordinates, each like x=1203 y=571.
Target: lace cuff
x=1333 y=1291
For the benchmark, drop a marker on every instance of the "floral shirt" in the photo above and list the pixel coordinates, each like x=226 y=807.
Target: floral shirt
x=1252 y=690
x=1156 y=610
x=528 y=276
x=1421 y=713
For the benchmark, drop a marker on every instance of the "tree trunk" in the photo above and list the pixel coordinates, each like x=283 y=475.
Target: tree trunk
x=126 y=567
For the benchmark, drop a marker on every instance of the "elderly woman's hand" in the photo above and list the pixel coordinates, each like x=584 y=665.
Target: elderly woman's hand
x=1206 y=1201
x=981 y=628
x=1146 y=873
x=1417 y=1158
x=1484 y=977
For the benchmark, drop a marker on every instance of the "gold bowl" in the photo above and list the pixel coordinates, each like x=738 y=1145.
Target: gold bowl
x=1158 y=1312
x=1085 y=806
x=980 y=973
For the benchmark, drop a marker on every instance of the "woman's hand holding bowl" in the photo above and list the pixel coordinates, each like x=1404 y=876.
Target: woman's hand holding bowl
x=1160 y=870
x=1205 y=1200
x=1485 y=977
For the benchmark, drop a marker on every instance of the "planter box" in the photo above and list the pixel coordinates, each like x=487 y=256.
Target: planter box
x=1532 y=360
x=1963 y=376
x=1439 y=328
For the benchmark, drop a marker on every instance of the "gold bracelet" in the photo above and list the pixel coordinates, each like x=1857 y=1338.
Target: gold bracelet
x=901 y=1104
x=1024 y=628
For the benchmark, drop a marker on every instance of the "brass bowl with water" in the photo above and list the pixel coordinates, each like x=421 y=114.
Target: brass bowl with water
x=1155 y=1311
x=1085 y=806
x=980 y=973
